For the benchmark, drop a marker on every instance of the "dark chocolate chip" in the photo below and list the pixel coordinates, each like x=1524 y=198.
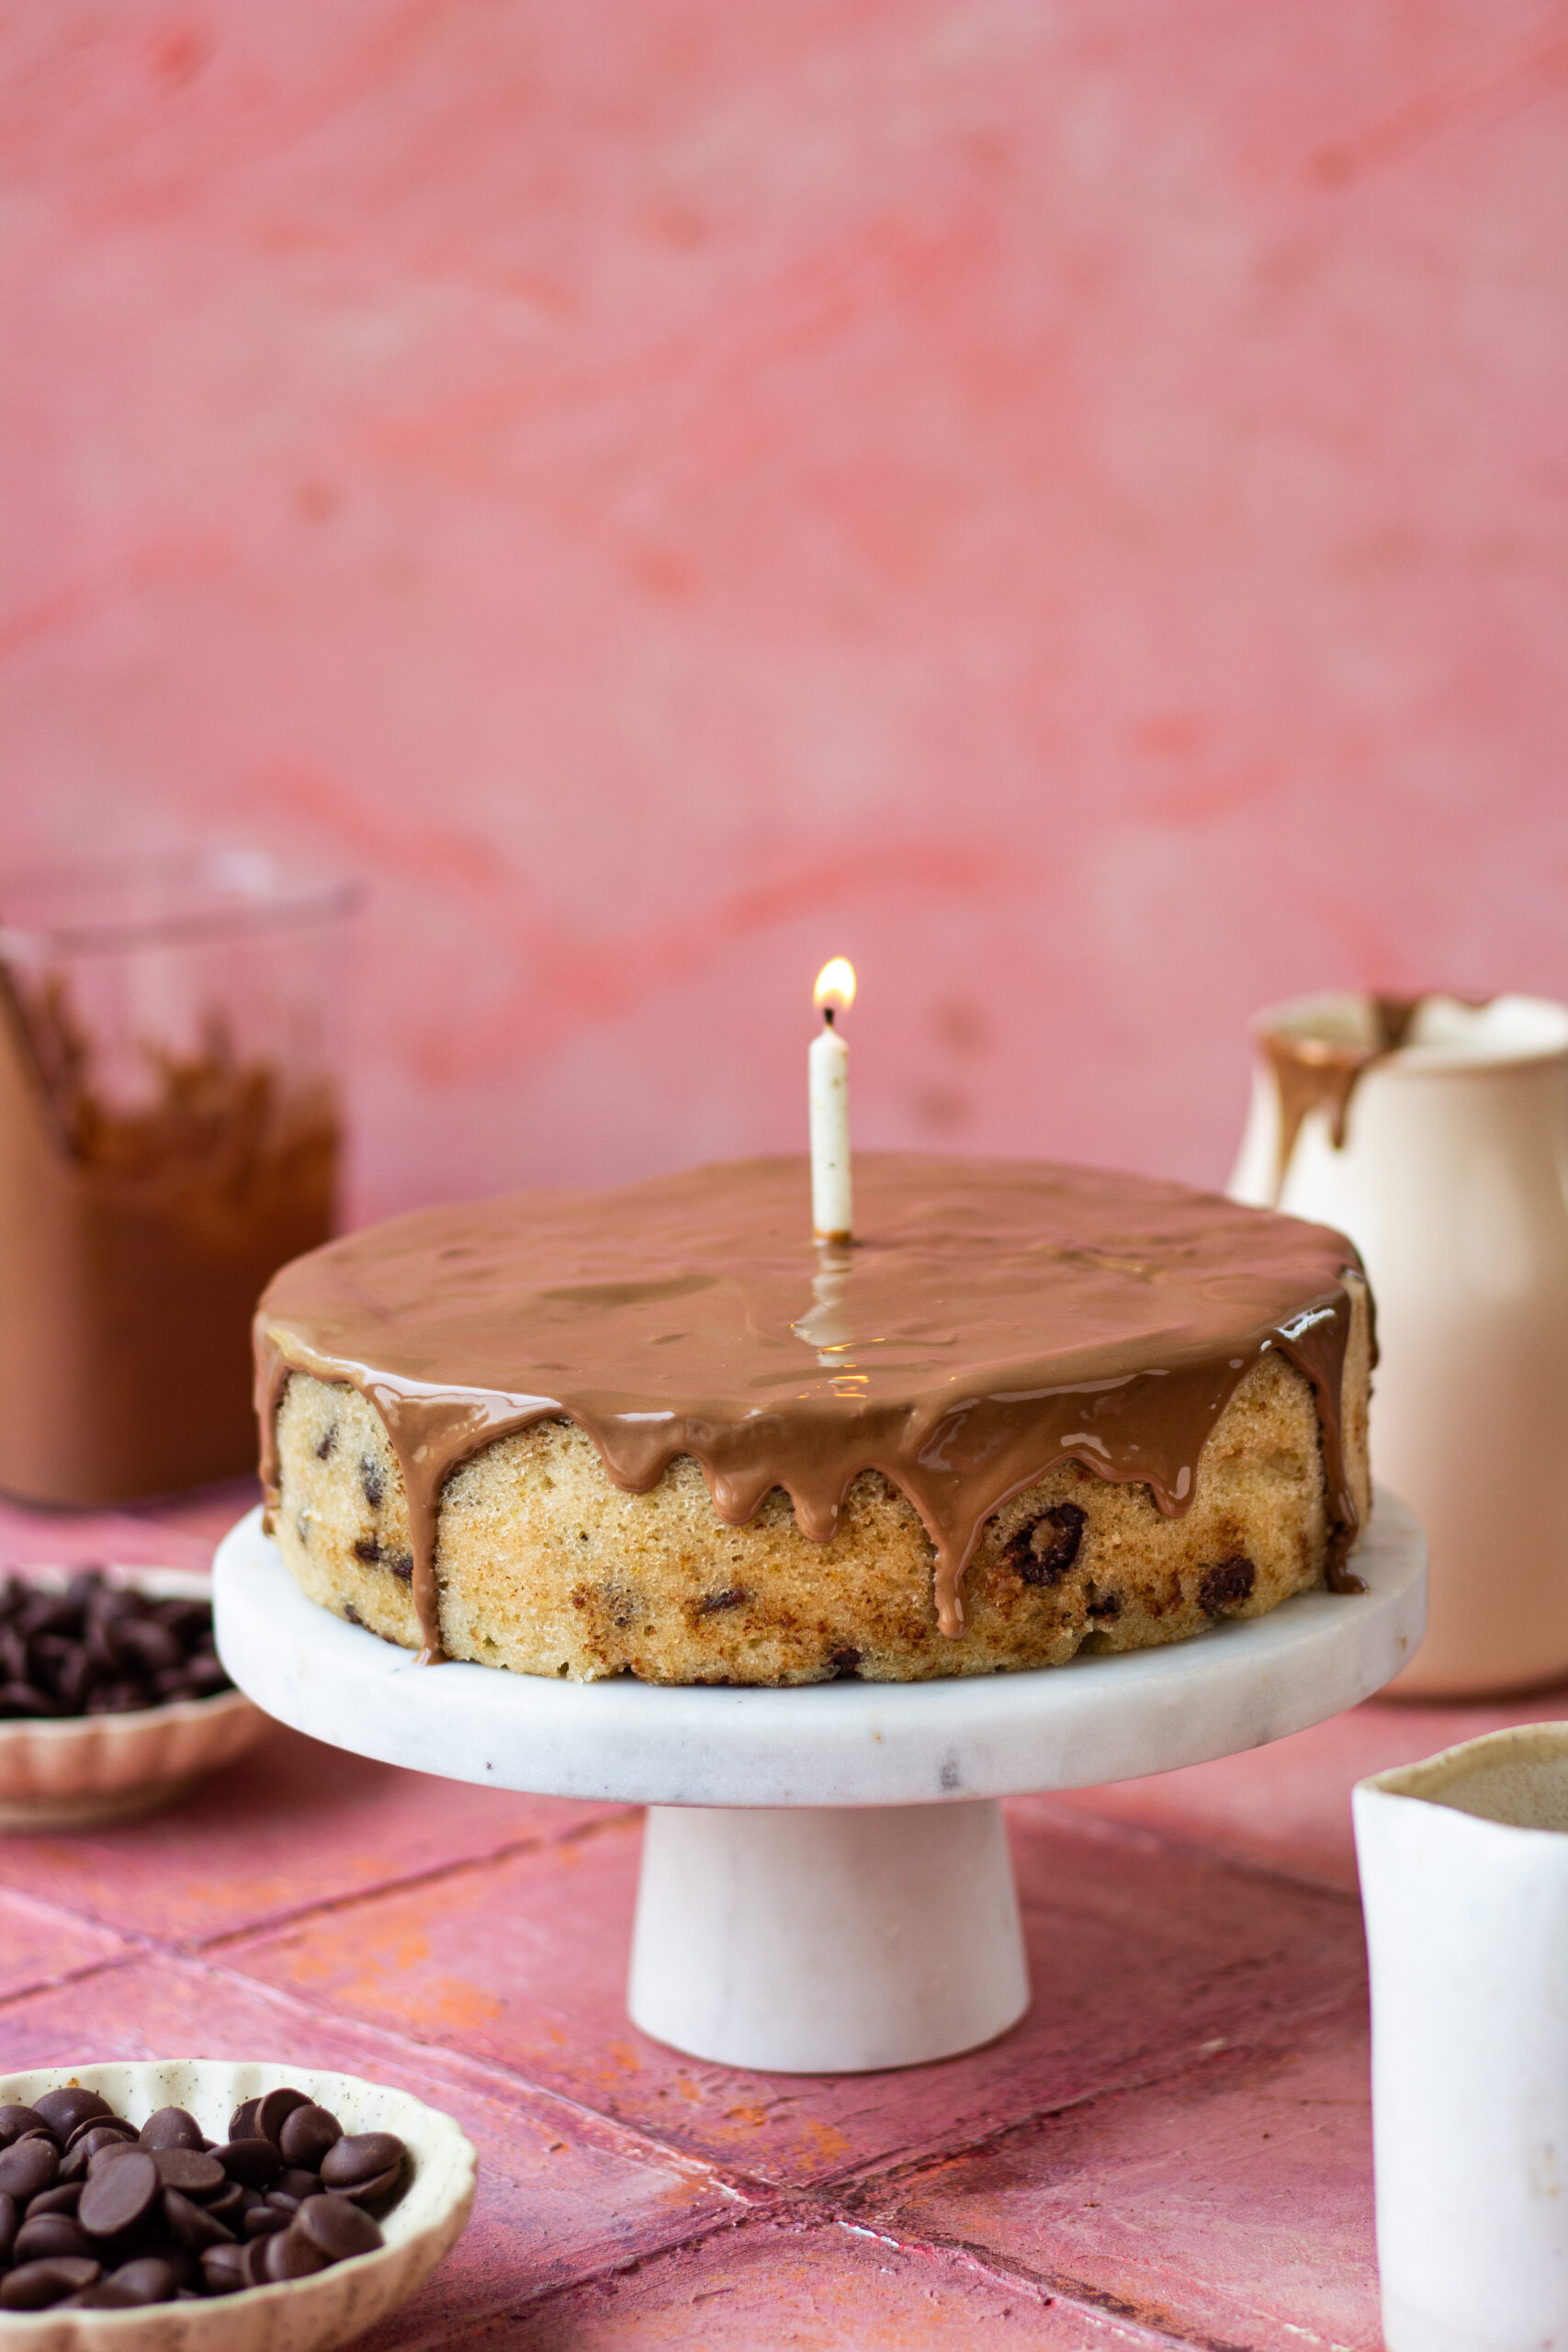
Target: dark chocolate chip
x=14 y=2120
x=294 y=2254
x=147 y=2279
x=43 y=2235
x=192 y=2226
x=63 y=2110
x=170 y=2127
x=118 y=2193
x=34 y=2285
x=293 y=2182
x=361 y=2157
x=253 y=2255
x=273 y=2110
x=263 y=2220
x=1043 y=1551
x=105 y=2128
x=10 y=2218
x=1226 y=1587
x=190 y=2171
x=28 y=2165
x=229 y=2201
x=223 y=2269
x=242 y=2123
x=338 y=2227
x=307 y=2135
x=55 y=2200
x=104 y=2297
x=253 y=2163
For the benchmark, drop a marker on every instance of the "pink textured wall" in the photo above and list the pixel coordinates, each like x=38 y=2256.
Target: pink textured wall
x=1063 y=504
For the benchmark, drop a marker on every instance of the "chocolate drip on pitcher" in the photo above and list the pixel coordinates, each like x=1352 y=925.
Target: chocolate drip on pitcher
x=1321 y=1074
x=991 y=1320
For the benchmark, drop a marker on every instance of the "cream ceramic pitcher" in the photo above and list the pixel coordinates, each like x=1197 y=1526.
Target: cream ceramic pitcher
x=1436 y=1134
x=1464 y=1879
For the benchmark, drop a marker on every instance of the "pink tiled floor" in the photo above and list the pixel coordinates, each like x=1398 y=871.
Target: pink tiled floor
x=1171 y=2149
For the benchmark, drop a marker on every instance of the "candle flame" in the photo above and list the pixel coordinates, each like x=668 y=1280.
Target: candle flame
x=835 y=985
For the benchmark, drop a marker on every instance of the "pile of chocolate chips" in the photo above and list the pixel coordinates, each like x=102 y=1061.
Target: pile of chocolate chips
x=96 y=2215
x=99 y=1649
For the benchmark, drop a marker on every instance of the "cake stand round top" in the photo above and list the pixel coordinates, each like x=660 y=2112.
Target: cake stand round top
x=1104 y=1718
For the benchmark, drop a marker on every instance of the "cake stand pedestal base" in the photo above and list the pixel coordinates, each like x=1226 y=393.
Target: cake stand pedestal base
x=826 y=1884
x=814 y=1941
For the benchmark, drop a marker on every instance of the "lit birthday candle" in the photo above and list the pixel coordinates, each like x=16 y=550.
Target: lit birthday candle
x=828 y=1068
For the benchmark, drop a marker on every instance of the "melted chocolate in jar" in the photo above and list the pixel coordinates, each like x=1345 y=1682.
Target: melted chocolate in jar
x=133 y=1244
x=990 y=1320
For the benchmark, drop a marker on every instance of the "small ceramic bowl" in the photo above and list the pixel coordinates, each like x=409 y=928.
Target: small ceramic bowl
x=300 y=2314
x=78 y=1771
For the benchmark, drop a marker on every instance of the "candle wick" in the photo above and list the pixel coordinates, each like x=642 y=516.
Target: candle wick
x=827 y=1014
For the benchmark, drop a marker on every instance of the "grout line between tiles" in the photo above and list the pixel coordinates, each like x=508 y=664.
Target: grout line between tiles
x=435 y=1874
x=643 y=2145
x=1111 y=1830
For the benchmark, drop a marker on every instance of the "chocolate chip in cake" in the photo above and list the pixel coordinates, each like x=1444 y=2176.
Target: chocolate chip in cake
x=1043 y=1552
x=326 y=1444
x=1226 y=1587
x=1102 y=1606
x=370 y=1479
x=368 y=1550
x=845 y=1664
x=735 y=1596
x=402 y=1566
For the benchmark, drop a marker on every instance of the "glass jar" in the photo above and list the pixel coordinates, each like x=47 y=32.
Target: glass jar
x=170 y=1132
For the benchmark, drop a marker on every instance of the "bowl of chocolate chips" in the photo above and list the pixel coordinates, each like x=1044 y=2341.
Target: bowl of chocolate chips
x=112 y=1698
x=193 y=2205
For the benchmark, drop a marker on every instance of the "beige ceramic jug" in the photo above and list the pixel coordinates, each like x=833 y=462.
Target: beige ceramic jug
x=1436 y=1134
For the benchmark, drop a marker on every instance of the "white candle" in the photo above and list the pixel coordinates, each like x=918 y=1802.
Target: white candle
x=829 y=1067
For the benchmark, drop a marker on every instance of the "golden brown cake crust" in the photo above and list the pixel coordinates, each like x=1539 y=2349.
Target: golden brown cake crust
x=544 y=1566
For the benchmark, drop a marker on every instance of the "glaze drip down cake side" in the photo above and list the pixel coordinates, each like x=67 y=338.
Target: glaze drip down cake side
x=1029 y=1410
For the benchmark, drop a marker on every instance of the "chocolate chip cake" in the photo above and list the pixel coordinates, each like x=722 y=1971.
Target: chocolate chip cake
x=1029 y=1410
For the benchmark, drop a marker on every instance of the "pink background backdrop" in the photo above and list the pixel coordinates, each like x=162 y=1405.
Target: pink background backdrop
x=1061 y=503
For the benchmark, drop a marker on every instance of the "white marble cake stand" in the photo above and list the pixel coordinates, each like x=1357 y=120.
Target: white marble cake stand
x=826 y=1883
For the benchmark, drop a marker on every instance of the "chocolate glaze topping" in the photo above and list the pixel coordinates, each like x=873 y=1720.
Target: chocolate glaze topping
x=990 y=1319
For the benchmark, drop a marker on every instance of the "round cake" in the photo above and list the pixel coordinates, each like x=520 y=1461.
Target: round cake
x=1029 y=1410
